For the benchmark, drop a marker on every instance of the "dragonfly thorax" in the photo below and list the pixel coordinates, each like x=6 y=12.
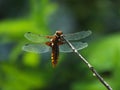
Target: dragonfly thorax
x=58 y=35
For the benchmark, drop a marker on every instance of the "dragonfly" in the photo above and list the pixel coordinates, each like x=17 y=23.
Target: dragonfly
x=55 y=43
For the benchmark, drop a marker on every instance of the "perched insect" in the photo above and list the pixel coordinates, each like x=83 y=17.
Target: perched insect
x=43 y=44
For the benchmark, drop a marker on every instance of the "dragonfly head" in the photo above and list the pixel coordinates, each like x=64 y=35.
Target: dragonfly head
x=58 y=33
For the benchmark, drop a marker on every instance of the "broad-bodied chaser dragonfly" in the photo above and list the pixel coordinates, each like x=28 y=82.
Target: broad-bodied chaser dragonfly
x=42 y=44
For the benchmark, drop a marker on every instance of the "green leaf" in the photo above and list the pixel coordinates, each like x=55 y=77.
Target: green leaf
x=103 y=54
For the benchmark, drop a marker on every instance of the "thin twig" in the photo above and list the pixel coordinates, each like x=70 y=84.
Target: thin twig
x=89 y=65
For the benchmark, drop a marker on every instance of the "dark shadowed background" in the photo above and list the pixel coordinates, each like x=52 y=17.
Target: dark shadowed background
x=21 y=70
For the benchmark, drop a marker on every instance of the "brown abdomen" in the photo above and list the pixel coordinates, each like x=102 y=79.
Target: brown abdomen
x=54 y=55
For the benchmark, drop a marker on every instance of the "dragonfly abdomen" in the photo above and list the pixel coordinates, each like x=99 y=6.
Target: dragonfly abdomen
x=54 y=55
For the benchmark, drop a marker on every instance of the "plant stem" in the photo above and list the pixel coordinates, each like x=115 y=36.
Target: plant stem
x=89 y=65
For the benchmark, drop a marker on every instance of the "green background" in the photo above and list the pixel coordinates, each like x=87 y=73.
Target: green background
x=21 y=70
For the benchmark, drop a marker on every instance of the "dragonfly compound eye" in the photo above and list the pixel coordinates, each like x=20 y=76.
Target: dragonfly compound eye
x=59 y=33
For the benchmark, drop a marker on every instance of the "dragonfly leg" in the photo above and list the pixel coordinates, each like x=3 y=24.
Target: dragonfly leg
x=48 y=43
x=60 y=43
x=50 y=37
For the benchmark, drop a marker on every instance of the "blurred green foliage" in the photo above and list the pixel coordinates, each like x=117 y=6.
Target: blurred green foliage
x=104 y=56
x=21 y=70
x=15 y=74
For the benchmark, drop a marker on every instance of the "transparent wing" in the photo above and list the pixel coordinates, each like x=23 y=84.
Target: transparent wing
x=78 y=45
x=35 y=37
x=78 y=35
x=36 y=48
